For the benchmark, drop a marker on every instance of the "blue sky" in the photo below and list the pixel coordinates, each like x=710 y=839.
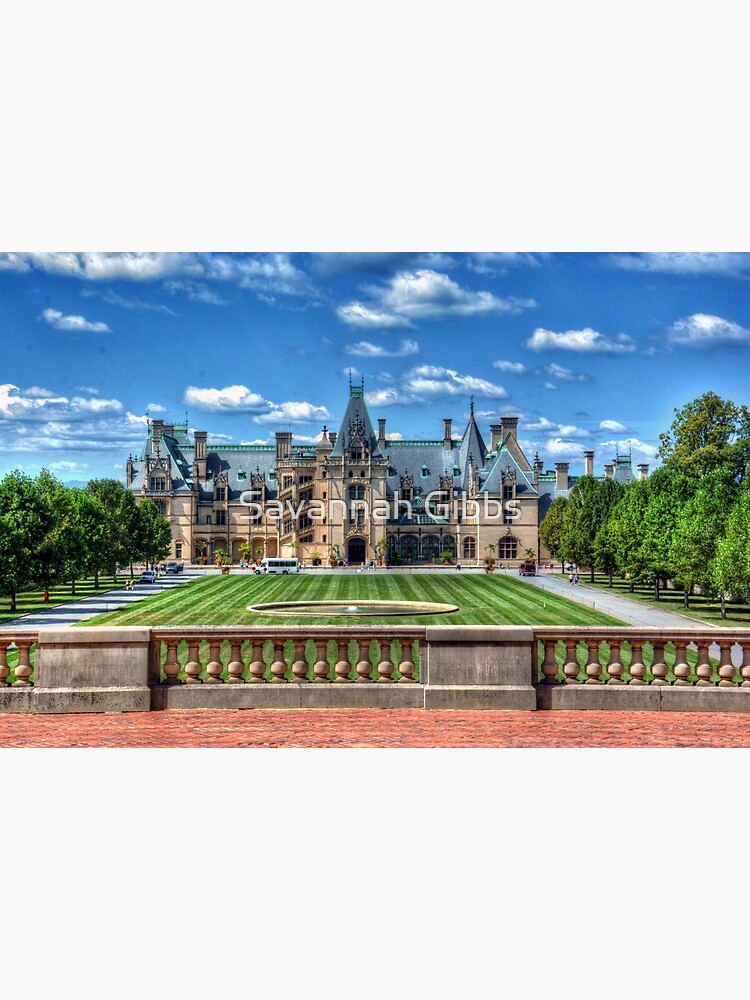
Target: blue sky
x=590 y=350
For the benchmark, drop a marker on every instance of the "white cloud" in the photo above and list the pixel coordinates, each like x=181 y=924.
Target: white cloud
x=356 y=314
x=703 y=330
x=230 y=399
x=586 y=341
x=196 y=291
x=571 y=430
x=89 y=390
x=394 y=436
x=731 y=264
x=559 y=448
x=293 y=413
x=389 y=397
x=272 y=272
x=542 y=424
x=630 y=444
x=44 y=425
x=366 y=350
x=426 y=294
x=66 y=466
x=72 y=323
x=565 y=374
x=498 y=263
x=511 y=366
x=429 y=380
x=612 y=425
x=155 y=408
x=549 y=385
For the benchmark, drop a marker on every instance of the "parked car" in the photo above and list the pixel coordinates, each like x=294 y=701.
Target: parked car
x=171 y=567
x=148 y=576
x=527 y=569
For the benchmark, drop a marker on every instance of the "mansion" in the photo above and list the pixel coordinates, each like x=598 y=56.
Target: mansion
x=355 y=495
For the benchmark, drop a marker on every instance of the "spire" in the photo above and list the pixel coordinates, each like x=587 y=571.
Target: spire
x=471 y=406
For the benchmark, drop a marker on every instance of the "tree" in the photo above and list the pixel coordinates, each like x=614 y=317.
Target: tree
x=708 y=433
x=731 y=567
x=551 y=527
x=152 y=533
x=700 y=526
x=605 y=550
x=26 y=521
x=626 y=531
x=120 y=542
x=668 y=492
x=589 y=505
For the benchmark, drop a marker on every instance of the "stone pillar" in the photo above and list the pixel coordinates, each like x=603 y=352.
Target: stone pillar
x=588 y=463
x=447 y=434
x=381 y=432
x=496 y=436
x=643 y=470
x=510 y=427
x=609 y=471
x=200 y=455
x=283 y=444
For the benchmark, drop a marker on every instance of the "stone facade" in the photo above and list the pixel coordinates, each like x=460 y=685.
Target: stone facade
x=355 y=495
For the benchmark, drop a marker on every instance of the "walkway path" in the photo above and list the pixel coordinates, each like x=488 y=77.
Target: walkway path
x=626 y=610
x=374 y=728
x=88 y=607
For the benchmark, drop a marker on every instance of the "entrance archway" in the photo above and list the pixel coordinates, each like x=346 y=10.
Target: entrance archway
x=355 y=550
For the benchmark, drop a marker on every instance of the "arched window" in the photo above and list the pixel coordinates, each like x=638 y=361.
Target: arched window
x=470 y=548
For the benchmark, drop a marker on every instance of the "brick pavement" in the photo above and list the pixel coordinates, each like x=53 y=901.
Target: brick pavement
x=378 y=728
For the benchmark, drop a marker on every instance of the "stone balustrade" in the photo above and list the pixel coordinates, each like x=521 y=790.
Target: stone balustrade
x=435 y=666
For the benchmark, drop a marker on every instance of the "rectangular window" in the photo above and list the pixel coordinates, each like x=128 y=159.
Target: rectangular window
x=178 y=550
x=221 y=517
x=221 y=493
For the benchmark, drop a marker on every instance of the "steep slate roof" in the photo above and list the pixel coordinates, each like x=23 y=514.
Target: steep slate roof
x=414 y=457
x=356 y=420
x=492 y=478
x=472 y=447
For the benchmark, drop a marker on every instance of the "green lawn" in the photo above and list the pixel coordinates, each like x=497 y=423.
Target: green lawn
x=701 y=608
x=481 y=599
x=33 y=600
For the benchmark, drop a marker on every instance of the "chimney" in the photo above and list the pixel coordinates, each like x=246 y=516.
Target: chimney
x=332 y=435
x=588 y=463
x=510 y=427
x=609 y=471
x=168 y=430
x=447 y=434
x=496 y=436
x=381 y=432
x=283 y=444
x=643 y=470
x=157 y=429
x=199 y=465
x=538 y=468
x=561 y=475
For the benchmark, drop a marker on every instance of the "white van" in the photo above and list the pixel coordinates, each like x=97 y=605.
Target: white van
x=274 y=565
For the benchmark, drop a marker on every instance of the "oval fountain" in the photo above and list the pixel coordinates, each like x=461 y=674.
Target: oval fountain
x=351 y=609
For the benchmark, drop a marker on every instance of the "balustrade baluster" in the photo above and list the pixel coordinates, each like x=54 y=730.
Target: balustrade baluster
x=278 y=667
x=727 y=669
x=23 y=667
x=745 y=669
x=659 y=668
x=615 y=668
x=214 y=667
x=236 y=666
x=549 y=666
x=593 y=666
x=343 y=667
x=172 y=664
x=571 y=667
x=257 y=665
x=4 y=668
x=406 y=667
x=704 y=668
x=637 y=668
x=681 y=666
x=320 y=667
x=385 y=667
x=193 y=666
x=364 y=666
x=299 y=667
